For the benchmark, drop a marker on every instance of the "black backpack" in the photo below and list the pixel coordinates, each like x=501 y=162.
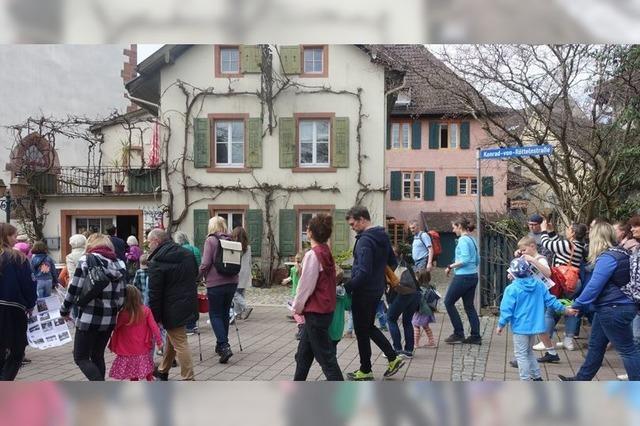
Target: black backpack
x=228 y=256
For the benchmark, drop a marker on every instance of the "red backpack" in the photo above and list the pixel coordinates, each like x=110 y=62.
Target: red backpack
x=435 y=243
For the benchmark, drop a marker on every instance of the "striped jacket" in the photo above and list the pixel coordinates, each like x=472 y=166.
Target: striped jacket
x=561 y=249
x=100 y=313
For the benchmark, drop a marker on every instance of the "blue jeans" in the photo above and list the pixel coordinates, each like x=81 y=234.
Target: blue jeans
x=528 y=367
x=571 y=324
x=44 y=288
x=463 y=287
x=636 y=330
x=405 y=305
x=220 y=298
x=381 y=316
x=612 y=324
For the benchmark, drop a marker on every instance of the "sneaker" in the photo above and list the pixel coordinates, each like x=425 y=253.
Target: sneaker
x=547 y=357
x=539 y=347
x=394 y=367
x=537 y=379
x=473 y=340
x=225 y=354
x=385 y=328
x=513 y=363
x=359 y=376
x=191 y=332
x=174 y=364
x=348 y=335
x=406 y=354
x=454 y=338
x=159 y=352
x=566 y=378
x=162 y=376
x=246 y=313
x=26 y=360
x=568 y=344
x=623 y=377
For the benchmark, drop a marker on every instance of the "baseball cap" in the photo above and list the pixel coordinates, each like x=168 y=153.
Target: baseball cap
x=536 y=218
x=520 y=268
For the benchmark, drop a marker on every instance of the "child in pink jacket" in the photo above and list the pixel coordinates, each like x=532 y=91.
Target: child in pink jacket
x=133 y=338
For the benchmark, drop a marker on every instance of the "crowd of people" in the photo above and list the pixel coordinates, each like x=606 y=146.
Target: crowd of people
x=139 y=303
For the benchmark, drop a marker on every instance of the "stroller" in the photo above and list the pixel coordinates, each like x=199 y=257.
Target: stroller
x=203 y=308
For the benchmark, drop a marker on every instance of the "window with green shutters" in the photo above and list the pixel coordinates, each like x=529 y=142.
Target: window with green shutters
x=287 y=141
x=255 y=230
x=434 y=137
x=451 y=185
x=429 y=186
x=287 y=232
x=395 y=186
x=250 y=59
x=201 y=143
x=341 y=232
x=290 y=57
x=487 y=186
x=200 y=226
x=254 y=152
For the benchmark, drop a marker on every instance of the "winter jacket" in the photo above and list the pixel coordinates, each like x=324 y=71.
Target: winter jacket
x=120 y=247
x=207 y=269
x=73 y=258
x=134 y=253
x=523 y=305
x=135 y=339
x=196 y=252
x=172 y=285
x=317 y=287
x=25 y=248
x=44 y=268
x=611 y=271
x=17 y=285
x=371 y=253
x=100 y=313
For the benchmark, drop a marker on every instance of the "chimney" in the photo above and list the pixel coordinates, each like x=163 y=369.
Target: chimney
x=129 y=69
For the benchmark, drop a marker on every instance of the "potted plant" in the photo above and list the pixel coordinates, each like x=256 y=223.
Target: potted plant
x=118 y=177
x=257 y=277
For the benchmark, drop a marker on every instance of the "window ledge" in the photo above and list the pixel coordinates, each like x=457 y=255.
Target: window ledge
x=229 y=170
x=229 y=75
x=314 y=170
x=314 y=75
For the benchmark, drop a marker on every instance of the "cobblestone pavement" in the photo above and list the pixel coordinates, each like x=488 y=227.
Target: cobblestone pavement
x=269 y=347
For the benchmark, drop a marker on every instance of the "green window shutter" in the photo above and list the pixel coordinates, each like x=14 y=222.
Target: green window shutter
x=452 y=185
x=434 y=142
x=464 y=135
x=487 y=186
x=200 y=227
x=287 y=232
x=254 y=229
x=340 y=142
x=250 y=59
x=201 y=143
x=416 y=135
x=429 y=186
x=290 y=56
x=287 y=136
x=254 y=152
x=396 y=186
x=340 y=236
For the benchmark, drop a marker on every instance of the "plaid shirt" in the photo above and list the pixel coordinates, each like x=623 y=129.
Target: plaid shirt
x=100 y=313
x=141 y=281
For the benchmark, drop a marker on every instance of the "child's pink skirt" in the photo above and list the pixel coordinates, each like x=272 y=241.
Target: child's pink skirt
x=126 y=367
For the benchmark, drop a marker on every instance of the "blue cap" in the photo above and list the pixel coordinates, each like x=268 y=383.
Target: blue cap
x=536 y=218
x=520 y=268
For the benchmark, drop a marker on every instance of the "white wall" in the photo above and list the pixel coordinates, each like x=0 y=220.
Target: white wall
x=349 y=69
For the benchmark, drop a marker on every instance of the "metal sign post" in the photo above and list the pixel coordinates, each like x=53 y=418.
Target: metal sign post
x=499 y=154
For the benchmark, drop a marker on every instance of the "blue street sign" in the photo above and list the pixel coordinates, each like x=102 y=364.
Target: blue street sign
x=516 y=151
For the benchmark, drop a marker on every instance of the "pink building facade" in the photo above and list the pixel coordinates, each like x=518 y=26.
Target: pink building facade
x=431 y=168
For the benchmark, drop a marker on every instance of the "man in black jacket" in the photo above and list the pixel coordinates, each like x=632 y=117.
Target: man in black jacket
x=119 y=245
x=172 y=298
x=371 y=253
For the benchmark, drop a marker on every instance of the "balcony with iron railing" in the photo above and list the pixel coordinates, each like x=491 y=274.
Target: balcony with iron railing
x=97 y=181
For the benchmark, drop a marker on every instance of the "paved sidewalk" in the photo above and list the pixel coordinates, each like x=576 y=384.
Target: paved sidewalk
x=269 y=347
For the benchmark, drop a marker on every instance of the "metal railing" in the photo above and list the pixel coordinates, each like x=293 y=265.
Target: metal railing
x=98 y=181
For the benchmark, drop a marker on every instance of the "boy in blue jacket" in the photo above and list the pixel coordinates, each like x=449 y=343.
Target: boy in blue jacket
x=523 y=305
